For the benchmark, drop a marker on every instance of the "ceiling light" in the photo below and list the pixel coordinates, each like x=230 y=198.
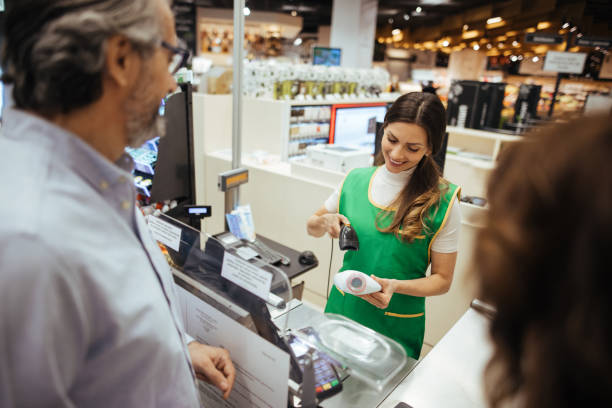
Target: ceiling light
x=494 y=20
x=574 y=28
x=297 y=42
x=520 y=57
x=390 y=21
x=515 y=43
x=246 y=11
x=489 y=46
x=535 y=59
x=565 y=25
x=396 y=31
x=445 y=43
x=500 y=45
x=465 y=27
x=293 y=13
x=470 y=34
x=476 y=47
x=543 y=25
x=406 y=17
x=531 y=30
x=513 y=58
x=419 y=9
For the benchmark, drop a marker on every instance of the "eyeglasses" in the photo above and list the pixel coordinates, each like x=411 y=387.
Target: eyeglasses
x=179 y=58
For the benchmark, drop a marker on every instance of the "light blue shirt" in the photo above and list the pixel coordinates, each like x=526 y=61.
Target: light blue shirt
x=88 y=314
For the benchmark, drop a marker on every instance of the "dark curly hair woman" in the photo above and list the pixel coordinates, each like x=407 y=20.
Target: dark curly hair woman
x=544 y=261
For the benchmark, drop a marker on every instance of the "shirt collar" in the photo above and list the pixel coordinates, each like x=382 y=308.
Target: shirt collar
x=112 y=181
x=396 y=178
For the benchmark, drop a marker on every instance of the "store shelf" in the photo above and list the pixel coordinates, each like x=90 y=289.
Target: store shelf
x=384 y=97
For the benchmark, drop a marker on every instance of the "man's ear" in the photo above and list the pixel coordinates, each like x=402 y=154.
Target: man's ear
x=122 y=62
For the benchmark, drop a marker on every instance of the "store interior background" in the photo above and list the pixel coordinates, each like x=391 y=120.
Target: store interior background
x=415 y=42
x=412 y=43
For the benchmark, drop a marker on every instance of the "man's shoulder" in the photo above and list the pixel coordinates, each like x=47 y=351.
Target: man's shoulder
x=40 y=196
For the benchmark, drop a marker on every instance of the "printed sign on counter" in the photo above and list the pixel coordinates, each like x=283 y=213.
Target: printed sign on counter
x=565 y=62
x=165 y=232
x=246 y=275
x=262 y=368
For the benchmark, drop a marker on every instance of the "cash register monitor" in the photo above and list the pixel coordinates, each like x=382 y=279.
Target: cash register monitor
x=354 y=125
x=174 y=177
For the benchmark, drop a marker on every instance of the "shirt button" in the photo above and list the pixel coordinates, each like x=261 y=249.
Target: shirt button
x=103 y=184
x=125 y=205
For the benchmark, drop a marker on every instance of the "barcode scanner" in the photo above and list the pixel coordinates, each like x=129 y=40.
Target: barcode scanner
x=348 y=238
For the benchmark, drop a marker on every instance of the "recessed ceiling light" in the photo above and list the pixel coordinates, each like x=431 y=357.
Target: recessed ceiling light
x=445 y=43
x=293 y=13
x=390 y=21
x=476 y=47
x=535 y=59
x=419 y=9
x=406 y=17
x=246 y=11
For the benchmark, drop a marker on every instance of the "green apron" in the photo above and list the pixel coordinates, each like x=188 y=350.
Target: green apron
x=384 y=255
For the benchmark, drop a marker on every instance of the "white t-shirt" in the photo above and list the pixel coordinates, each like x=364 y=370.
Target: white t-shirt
x=385 y=188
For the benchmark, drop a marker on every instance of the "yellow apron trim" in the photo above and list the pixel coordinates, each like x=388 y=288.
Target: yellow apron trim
x=382 y=207
x=404 y=315
x=448 y=211
x=339 y=290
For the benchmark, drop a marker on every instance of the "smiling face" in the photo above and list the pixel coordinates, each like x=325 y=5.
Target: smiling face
x=403 y=146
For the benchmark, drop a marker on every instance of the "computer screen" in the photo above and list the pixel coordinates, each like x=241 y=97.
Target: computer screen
x=326 y=56
x=355 y=125
x=173 y=177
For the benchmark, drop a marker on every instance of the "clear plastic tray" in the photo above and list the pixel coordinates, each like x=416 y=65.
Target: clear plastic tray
x=368 y=355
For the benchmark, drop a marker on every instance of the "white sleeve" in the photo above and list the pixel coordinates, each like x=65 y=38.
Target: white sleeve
x=331 y=204
x=447 y=240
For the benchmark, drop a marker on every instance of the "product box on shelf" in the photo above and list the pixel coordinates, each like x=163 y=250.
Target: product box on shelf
x=338 y=158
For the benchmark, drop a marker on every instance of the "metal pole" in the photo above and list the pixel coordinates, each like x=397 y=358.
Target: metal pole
x=237 y=91
x=568 y=38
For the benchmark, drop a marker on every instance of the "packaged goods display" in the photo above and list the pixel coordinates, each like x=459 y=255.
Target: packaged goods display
x=273 y=80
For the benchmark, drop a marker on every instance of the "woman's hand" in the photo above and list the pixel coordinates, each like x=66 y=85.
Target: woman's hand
x=381 y=299
x=324 y=222
x=333 y=224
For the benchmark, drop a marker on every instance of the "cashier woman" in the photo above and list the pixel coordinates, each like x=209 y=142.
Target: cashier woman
x=406 y=217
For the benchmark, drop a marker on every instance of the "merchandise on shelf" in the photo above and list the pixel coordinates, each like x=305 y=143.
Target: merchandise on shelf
x=273 y=80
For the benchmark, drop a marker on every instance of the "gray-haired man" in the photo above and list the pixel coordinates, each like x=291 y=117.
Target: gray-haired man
x=88 y=316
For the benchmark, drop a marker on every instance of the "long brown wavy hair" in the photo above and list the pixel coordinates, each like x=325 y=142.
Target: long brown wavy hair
x=422 y=192
x=544 y=261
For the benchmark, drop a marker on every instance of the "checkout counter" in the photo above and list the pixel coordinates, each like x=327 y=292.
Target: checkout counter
x=245 y=305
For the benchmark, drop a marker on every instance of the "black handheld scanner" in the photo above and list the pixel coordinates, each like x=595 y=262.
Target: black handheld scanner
x=348 y=238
